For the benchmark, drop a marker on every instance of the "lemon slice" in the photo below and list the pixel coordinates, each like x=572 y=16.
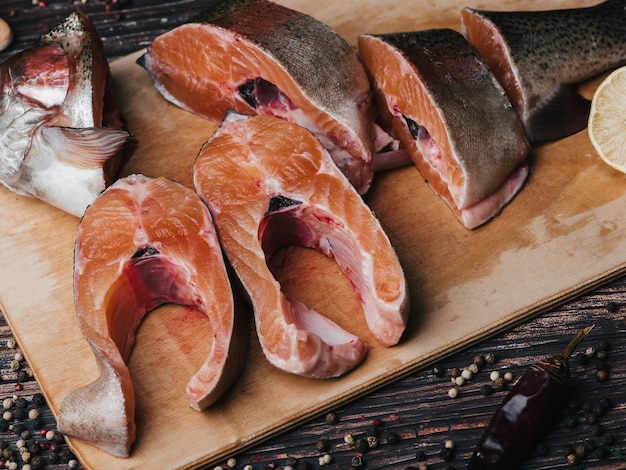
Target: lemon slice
x=607 y=120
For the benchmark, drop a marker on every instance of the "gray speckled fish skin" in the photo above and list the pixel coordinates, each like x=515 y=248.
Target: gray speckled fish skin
x=300 y=43
x=549 y=53
x=485 y=137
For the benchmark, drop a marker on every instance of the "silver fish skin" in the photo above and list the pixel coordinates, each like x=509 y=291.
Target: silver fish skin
x=540 y=57
x=61 y=139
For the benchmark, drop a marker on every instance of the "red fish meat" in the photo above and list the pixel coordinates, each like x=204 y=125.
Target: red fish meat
x=143 y=243
x=270 y=183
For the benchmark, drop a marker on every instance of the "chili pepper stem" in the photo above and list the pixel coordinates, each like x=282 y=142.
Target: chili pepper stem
x=573 y=344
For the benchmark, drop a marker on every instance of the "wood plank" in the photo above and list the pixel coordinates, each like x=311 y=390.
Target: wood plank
x=558 y=238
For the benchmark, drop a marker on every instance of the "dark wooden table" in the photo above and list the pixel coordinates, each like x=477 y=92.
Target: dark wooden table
x=413 y=416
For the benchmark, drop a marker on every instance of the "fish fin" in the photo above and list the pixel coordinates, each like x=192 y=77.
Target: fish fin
x=86 y=147
x=564 y=114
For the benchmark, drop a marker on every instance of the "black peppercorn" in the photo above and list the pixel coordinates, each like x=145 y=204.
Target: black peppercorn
x=322 y=445
x=303 y=465
x=486 y=389
x=331 y=418
x=356 y=462
x=21 y=402
x=420 y=456
x=372 y=431
x=18 y=428
x=567 y=450
x=446 y=454
x=37 y=422
x=393 y=437
x=53 y=457
x=38 y=399
x=33 y=447
x=36 y=462
x=20 y=414
x=361 y=446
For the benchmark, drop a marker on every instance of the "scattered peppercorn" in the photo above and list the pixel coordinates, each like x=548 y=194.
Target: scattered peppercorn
x=479 y=360
x=322 y=445
x=357 y=461
x=393 y=437
x=372 y=441
x=486 y=389
x=438 y=370
x=490 y=358
x=331 y=418
x=612 y=307
x=420 y=456
x=361 y=446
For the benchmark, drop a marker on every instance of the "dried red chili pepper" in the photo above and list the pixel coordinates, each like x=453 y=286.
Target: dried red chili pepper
x=526 y=412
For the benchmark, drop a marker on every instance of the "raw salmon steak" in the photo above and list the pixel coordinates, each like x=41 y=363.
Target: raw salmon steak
x=61 y=138
x=270 y=183
x=143 y=243
x=440 y=100
x=255 y=56
x=540 y=58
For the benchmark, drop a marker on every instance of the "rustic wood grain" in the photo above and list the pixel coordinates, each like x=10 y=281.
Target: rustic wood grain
x=416 y=407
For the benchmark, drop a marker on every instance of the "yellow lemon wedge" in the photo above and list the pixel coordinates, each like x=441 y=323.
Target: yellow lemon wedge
x=607 y=119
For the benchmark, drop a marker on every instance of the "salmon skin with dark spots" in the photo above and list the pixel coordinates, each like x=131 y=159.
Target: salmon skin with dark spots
x=440 y=100
x=540 y=57
x=258 y=57
x=143 y=243
x=61 y=137
x=270 y=183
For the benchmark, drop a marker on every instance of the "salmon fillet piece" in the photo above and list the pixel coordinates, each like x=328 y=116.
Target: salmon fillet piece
x=256 y=56
x=440 y=100
x=143 y=243
x=270 y=183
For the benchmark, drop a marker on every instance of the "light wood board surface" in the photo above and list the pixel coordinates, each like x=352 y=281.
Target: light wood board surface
x=562 y=235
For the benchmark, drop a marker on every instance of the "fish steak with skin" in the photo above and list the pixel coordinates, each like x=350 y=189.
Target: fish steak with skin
x=258 y=57
x=61 y=137
x=440 y=100
x=143 y=243
x=270 y=183
x=540 y=58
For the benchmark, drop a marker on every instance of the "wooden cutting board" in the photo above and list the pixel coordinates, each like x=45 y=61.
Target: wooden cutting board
x=562 y=235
